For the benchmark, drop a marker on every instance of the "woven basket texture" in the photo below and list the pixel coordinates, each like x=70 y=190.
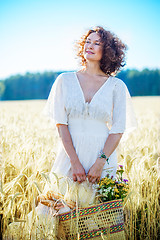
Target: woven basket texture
x=101 y=221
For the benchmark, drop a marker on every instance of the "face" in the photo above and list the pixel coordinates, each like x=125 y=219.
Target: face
x=93 y=47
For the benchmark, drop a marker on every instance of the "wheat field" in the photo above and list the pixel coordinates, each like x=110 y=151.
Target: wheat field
x=28 y=144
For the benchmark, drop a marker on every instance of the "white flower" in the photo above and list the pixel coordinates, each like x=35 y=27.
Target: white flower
x=100 y=191
x=105 y=194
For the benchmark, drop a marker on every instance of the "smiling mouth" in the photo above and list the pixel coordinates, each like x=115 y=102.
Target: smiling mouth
x=89 y=52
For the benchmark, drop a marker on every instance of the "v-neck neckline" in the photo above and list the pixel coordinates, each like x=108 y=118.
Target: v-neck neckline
x=82 y=93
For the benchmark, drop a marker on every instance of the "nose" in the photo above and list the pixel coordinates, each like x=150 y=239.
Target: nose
x=90 y=45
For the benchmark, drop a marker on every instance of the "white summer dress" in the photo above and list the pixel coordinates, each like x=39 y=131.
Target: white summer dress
x=109 y=112
x=89 y=124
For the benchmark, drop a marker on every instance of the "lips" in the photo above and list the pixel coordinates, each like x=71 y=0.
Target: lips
x=89 y=52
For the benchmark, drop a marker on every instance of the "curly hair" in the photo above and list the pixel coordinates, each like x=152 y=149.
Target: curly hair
x=113 y=53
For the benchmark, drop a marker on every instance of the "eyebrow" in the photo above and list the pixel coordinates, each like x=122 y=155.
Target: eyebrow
x=95 y=40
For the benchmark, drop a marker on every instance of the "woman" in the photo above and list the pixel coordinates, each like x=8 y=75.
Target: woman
x=90 y=110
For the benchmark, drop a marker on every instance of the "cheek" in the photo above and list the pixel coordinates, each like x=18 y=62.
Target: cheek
x=85 y=47
x=100 y=52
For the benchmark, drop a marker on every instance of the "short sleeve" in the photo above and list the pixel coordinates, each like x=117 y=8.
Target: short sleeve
x=55 y=107
x=123 y=116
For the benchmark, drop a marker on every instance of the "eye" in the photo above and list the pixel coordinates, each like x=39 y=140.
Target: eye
x=87 y=41
x=97 y=43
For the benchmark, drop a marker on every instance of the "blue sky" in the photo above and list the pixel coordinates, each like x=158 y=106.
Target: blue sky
x=39 y=35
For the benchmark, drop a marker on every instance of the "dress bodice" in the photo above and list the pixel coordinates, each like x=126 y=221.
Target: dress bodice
x=99 y=108
x=111 y=104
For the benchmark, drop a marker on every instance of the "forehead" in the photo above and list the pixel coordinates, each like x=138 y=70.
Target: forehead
x=94 y=37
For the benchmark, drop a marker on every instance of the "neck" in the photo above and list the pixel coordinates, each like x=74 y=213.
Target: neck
x=93 y=69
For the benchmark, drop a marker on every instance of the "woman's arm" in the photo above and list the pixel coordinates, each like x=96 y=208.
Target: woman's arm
x=111 y=143
x=78 y=171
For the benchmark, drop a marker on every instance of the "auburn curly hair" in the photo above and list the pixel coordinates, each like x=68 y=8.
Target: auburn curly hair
x=113 y=53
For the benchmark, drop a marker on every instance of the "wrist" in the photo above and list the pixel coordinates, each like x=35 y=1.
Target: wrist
x=103 y=156
x=101 y=161
x=74 y=160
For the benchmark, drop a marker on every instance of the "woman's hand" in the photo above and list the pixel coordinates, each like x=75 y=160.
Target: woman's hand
x=95 y=171
x=110 y=145
x=78 y=172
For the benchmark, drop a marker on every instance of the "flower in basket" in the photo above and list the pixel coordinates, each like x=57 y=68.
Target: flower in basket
x=111 y=189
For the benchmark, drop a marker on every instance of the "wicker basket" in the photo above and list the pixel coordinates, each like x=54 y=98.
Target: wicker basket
x=101 y=221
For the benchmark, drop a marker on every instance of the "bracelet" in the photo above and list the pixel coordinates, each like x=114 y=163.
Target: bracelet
x=103 y=155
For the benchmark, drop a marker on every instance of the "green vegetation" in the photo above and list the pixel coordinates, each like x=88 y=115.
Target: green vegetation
x=37 y=85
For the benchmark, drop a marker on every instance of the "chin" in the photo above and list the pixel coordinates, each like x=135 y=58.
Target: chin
x=90 y=57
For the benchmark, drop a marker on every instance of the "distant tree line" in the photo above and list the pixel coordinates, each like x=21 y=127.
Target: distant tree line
x=38 y=85
x=142 y=83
